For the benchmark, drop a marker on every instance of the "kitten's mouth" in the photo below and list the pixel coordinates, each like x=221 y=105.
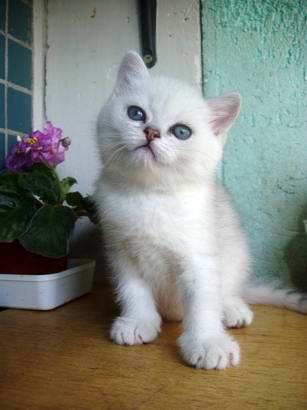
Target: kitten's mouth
x=147 y=147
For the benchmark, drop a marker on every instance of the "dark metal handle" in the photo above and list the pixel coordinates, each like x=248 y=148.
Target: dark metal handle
x=147 y=19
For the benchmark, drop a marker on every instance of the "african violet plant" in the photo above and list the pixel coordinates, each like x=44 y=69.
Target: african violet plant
x=36 y=206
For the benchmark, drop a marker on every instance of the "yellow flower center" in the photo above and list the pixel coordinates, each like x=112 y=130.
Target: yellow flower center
x=32 y=140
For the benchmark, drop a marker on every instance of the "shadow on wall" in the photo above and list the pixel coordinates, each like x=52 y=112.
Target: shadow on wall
x=295 y=255
x=87 y=243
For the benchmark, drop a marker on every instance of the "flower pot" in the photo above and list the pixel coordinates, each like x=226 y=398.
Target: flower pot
x=48 y=291
x=17 y=260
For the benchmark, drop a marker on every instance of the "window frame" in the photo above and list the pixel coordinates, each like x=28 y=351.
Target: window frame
x=39 y=63
x=13 y=89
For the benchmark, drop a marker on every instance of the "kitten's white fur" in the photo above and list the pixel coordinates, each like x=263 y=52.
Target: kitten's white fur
x=173 y=239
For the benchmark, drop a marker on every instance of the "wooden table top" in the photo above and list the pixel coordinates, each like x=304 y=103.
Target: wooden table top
x=63 y=359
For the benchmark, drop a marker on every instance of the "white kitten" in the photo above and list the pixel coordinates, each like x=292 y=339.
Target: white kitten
x=173 y=240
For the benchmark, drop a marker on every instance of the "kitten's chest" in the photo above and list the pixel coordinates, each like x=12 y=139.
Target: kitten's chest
x=153 y=217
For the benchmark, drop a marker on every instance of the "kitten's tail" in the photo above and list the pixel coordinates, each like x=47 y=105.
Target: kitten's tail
x=273 y=294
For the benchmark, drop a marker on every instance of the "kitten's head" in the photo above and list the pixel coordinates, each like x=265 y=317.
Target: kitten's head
x=155 y=128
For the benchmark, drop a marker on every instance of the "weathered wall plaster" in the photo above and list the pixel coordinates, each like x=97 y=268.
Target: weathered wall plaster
x=258 y=47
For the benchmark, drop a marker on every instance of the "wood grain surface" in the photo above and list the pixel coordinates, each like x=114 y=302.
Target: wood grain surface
x=63 y=359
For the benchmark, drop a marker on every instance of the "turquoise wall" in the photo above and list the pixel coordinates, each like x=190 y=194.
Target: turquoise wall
x=259 y=48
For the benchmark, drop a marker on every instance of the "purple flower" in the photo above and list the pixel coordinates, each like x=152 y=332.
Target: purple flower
x=47 y=147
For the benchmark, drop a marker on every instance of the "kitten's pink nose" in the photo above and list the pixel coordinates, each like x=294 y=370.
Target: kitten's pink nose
x=151 y=134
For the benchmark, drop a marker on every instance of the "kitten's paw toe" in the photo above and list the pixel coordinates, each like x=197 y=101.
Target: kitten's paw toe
x=127 y=331
x=236 y=313
x=216 y=352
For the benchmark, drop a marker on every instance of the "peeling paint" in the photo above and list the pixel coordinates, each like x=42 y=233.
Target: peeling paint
x=259 y=49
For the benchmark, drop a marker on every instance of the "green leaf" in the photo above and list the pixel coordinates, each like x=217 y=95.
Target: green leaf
x=83 y=206
x=16 y=207
x=75 y=199
x=15 y=213
x=42 y=181
x=66 y=184
x=9 y=182
x=49 y=231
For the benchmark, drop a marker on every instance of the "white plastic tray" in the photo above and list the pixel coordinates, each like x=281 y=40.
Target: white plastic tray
x=48 y=291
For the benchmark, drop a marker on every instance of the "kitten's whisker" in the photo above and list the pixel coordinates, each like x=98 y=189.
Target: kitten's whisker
x=184 y=149
x=117 y=150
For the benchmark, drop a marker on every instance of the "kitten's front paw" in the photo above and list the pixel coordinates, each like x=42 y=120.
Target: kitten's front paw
x=236 y=313
x=127 y=331
x=216 y=352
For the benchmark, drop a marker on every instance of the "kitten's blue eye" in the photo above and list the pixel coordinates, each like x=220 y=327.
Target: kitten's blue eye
x=182 y=132
x=136 y=113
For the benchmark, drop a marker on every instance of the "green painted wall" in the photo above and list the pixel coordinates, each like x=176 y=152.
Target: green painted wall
x=259 y=48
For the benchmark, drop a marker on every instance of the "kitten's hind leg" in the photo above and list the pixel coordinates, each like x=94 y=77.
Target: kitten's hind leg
x=236 y=313
x=139 y=321
x=234 y=273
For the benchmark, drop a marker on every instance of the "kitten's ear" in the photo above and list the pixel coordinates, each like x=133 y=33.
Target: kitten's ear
x=131 y=71
x=223 y=112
